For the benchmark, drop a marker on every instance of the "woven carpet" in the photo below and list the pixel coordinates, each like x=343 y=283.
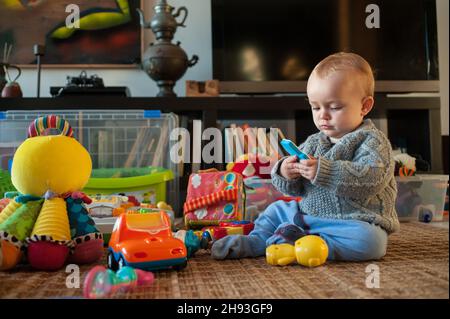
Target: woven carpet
x=415 y=266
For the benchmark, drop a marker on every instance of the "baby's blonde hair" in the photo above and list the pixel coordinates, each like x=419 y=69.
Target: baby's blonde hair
x=346 y=61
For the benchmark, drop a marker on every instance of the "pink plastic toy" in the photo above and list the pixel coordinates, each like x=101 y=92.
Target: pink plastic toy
x=104 y=283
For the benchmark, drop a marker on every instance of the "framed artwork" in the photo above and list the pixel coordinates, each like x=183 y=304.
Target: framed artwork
x=108 y=33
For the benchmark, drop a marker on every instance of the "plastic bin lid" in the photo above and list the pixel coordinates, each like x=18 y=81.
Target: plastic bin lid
x=443 y=178
x=421 y=177
x=111 y=178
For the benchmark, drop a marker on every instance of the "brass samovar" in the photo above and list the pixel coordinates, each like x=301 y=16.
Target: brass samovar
x=164 y=61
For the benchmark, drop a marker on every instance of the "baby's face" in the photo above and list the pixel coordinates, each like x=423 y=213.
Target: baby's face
x=338 y=102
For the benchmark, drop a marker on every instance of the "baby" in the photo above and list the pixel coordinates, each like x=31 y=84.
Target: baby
x=348 y=187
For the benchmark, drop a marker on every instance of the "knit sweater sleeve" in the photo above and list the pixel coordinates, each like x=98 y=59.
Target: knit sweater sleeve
x=365 y=175
x=293 y=187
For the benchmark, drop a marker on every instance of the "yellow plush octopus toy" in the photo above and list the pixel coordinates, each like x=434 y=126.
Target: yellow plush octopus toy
x=47 y=219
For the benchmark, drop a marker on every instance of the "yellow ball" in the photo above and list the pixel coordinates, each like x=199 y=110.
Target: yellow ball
x=57 y=163
x=311 y=251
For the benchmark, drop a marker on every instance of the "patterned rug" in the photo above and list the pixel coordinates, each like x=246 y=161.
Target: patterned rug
x=416 y=266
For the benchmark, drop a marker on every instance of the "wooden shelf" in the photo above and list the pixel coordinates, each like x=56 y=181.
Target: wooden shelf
x=258 y=104
x=212 y=109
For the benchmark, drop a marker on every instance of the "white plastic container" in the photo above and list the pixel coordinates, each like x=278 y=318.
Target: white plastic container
x=421 y=194
x=115 y=139
x=259 y=193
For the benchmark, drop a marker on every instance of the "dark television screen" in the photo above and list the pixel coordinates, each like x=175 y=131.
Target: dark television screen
x=282 y=40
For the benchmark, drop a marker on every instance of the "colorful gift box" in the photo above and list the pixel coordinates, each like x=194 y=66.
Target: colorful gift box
x=214 y=197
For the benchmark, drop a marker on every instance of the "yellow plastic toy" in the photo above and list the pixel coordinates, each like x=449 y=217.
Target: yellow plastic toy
x=48 y=217
x=164 y=205
x=310 y=251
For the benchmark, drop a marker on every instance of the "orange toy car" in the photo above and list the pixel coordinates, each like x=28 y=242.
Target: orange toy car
x=145 y=241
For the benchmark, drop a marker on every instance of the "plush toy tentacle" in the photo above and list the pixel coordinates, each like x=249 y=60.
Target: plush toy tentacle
x=87 y=239
x=9 y=210
x=50 y=239
x=10 y=254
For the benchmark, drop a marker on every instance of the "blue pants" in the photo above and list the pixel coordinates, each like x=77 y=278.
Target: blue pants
x=281 y=222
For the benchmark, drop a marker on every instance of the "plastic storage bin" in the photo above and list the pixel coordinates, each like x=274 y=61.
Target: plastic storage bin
x=259 y=193
x=146 y=184
x=105 y=226
x=5 y=183
x=119 y=141
x=419 y=195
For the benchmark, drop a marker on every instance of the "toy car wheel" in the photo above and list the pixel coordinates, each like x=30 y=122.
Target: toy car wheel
x=112 y=263
x=180 y=266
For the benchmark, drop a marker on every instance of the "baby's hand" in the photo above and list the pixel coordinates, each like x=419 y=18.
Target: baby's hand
x=308 y=168
x=290 y=168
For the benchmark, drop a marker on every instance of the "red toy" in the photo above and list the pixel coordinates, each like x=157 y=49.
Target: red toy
x=251 y=165
x=210 y=234
x=289 y=198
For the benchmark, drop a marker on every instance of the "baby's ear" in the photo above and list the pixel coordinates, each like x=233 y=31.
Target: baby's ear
x=367 y=105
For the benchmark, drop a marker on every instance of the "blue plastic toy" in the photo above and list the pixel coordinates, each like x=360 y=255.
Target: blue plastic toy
x=292 y=149
x=190 y=240
x=425 y=215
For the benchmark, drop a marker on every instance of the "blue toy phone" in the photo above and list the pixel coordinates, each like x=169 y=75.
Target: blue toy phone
x=292 y=149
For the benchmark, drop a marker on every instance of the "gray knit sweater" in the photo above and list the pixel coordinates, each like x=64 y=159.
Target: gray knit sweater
x=354 y=179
